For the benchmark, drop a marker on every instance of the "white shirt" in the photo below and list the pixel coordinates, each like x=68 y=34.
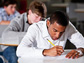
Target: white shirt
x=35 y=40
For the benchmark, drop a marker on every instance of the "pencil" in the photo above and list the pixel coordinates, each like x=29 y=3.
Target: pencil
x=50 y=42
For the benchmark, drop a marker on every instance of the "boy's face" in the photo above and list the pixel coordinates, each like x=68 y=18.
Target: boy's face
x=33 y=17
x=55 y=30
x=10 y=9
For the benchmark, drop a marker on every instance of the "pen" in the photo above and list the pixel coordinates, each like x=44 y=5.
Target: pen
x=50 y=42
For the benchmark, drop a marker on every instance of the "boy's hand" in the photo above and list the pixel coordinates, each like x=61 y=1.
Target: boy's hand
x=74 y=54
x=54 y=51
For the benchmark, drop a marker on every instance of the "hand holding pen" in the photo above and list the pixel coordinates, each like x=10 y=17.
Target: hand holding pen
x=54 y=51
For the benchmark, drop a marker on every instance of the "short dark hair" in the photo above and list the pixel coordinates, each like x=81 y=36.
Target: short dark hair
x=8 y=2
x=59 y=17
x=38 y=7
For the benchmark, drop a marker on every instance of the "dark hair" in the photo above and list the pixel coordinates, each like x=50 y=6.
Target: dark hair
x=38 y=7
x=8 y=2
x=59 y=17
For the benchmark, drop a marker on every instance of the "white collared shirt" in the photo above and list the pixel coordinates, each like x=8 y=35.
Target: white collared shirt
x=35 y=40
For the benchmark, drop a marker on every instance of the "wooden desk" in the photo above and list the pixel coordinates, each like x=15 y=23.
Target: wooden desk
x=60 y=59
x=9 y=44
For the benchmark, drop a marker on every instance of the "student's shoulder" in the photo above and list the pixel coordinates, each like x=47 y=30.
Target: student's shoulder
x=16 y=13
x=38 y=25
x=70 y=25
x=19 y=17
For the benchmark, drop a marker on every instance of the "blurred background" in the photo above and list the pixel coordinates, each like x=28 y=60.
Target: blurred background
x=74 y=9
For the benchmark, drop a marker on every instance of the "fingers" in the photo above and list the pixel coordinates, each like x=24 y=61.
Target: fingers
x=54 y=51
x=59 y=53
x=77 y=56
x=69 y=54
x=59 y=50
x=73 y=54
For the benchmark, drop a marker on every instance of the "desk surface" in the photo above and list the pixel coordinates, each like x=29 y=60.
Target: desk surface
x=8 y=44
x=60 y=59
x=60 y=5
x=79 y=10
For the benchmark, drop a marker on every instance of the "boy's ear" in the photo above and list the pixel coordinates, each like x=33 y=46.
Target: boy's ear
x=29 y=12
x=48 y=23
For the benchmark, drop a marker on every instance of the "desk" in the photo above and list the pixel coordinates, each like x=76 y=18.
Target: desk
x=12 y=38
x=51 y=59
x=61 y=5
x=8 y=44
x=79 y=10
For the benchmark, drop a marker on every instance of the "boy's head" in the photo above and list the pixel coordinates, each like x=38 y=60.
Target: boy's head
x=37 y=10
x=57 y=24
x=10 y=6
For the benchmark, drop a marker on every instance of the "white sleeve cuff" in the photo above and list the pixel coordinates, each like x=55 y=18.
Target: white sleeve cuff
x=38 y=52
x=80 y=52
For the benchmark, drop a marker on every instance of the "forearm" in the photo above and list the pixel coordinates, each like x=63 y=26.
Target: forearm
x=26 y=51
x=4 y=22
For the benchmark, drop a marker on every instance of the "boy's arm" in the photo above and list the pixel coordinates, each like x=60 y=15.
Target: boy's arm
x=4 y=22
x=78 y=40
x=26 y=48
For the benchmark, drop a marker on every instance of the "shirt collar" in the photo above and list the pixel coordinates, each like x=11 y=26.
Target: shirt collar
x=45 y=30
x=25 y=17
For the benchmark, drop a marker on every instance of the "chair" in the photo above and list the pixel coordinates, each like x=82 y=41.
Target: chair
x=3 y=60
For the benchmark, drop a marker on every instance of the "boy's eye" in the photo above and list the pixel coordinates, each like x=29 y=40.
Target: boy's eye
x=54 y=30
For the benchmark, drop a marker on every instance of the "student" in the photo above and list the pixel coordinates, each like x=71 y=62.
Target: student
x=8 y=11
x=19 y=25
x=57 y=29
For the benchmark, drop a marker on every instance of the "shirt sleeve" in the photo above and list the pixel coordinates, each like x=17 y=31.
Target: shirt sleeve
x=26 y=48
x=75 y=37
